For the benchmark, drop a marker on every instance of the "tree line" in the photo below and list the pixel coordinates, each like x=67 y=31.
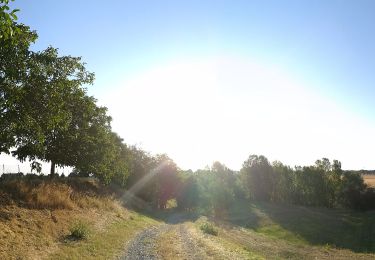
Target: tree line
x=323 y=184
x=46 y=115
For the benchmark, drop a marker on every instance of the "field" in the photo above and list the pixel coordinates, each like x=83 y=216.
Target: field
x=267 y=231
x=33 y=226
x=369 y=180
x=300 y=232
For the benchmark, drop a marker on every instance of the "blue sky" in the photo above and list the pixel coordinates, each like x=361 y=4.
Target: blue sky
x=322 y=52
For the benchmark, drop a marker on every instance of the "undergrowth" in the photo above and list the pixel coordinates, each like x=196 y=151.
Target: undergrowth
x=209 y=228
x=79 y=230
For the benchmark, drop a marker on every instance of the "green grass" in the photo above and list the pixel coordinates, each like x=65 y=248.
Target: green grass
x=79 y=230
x=308 y=226
x=106 y=244
x=209 y=228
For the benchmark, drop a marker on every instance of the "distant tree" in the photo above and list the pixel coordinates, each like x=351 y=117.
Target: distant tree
x=166 y=180
x=368 y=199
x=141 y=171
x=283 y=184
x=257 y=175
x=36 y=166
x=216 y=188
x=188 y=196
x=352 y=187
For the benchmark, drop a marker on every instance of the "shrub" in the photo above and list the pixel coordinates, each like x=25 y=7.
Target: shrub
x=79 y=230
x=208 y=228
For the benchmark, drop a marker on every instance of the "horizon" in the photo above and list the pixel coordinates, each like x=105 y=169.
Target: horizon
x=205 y=82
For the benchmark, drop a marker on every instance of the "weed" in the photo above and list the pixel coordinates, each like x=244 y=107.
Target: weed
x=79 y=230
x=208 y=228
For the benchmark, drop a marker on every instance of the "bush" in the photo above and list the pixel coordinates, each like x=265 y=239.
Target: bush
x=79 y=230
x=210 y=229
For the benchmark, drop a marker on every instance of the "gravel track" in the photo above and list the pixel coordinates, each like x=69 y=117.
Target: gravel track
x=144 y=245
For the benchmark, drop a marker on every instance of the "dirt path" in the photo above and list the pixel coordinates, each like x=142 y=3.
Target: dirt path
x=166 y=241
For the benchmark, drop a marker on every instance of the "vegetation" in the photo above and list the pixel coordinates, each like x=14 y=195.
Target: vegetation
x=79 y=230
x=46 y=115
x=7 y=18
x=209 y=228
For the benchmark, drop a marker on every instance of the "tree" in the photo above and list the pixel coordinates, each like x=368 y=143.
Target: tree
x=43 y=111
x=284 y=186
x=188 y=193
x=257 y=175
x=14 y=56
x=141 y=173
x=8 y=29
x=216 y=188
x=352 y=187
x=166 y=180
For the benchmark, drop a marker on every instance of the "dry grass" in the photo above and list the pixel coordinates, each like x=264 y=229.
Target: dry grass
x=55 y=194
x=37 y=194
x=369 y=180
x=35 y=215
x=169 y=246
x=52 y=196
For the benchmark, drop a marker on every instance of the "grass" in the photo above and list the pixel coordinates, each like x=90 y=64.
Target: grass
x=79 y=230
x=220 y=246
x=38 y=220
x=209 y=228
x=105 y=244
x=298 y=232
x=169 y=246
x=269 y=231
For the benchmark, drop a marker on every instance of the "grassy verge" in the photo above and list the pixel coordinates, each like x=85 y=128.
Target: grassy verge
x=292 y=232
x=63 y=219
x=221 y=246
x=335 y=228
x=105 y=244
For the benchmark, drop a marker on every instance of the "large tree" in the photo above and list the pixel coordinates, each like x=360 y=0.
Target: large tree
x=43 y=112
x=14 y=58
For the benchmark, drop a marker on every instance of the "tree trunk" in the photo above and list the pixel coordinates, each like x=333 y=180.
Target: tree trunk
x=52 y=172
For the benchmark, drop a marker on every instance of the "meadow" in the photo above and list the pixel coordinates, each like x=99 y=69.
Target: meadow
x=369 y=180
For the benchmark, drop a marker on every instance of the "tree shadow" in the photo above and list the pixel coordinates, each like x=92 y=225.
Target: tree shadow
x=338 y=228
x=169 y=216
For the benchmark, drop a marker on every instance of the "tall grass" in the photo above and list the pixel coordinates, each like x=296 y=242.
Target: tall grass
x=55 y=194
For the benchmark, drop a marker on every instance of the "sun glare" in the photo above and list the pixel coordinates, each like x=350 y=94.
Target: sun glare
x=223 y=109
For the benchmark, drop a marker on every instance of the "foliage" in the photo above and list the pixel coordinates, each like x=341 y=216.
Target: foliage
x=216 y=188
x=188 y=195
x=79 y=230
x=257 y=174
x=351 y=189
x=166 y=180
x=7 y=18
x=209 y=228
x=13 y=66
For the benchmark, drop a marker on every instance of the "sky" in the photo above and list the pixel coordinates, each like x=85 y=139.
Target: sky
x=220 y=80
